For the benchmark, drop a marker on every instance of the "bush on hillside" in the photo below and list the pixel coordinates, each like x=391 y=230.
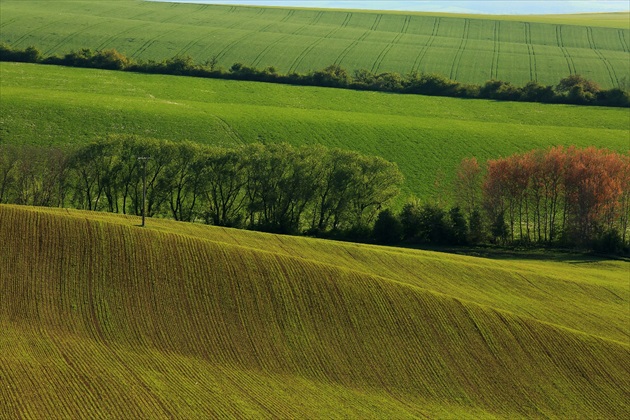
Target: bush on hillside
x=28 y=55
x=574 y=89
x=387 y=228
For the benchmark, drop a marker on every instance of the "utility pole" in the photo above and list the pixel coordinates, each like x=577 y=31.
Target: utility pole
x=144 y=184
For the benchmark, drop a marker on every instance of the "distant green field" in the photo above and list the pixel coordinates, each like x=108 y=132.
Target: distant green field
x=426 y=136
x=620 y=20
x=180 y=320
x=469 y=49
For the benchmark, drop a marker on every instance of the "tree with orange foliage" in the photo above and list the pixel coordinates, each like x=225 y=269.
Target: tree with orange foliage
x=573 y=195
x=467 y=185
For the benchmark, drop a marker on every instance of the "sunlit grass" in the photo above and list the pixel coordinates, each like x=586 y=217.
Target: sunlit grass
x=426 y=136
x=468 y=48
x=101 y=317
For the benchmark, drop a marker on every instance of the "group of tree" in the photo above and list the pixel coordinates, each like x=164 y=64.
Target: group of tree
x=572 y=196
x=573 y=89
x=276 y=187
x=567 y=197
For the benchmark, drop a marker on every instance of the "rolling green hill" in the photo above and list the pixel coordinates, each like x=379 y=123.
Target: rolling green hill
x=469 y=49
x=103 y=318
x=426 y=136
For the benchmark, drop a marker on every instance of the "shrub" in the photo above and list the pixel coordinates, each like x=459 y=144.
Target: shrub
x=497 y=89
x=387 y=228
x=410 y=221
x=332 y=76
x=535 y=92
x=110 y=60
x=609 y=242
x=458 y=227
x=434 y=227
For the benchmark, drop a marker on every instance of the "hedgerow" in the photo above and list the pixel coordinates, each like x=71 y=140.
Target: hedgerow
x=275 y=188
x=573 y=89
x=559 y=197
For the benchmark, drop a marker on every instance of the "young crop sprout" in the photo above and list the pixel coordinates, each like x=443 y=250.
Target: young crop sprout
x=144 y=184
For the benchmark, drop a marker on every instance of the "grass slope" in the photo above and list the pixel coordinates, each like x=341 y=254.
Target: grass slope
x=465 y=48
x=103 y=318
x=425 y=136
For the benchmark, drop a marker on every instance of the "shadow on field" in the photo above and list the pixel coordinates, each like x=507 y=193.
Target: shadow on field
x=540 y=254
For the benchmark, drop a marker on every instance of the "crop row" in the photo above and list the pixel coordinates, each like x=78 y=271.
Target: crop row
x=163 y=298
x=425 y=136
x=468 y=50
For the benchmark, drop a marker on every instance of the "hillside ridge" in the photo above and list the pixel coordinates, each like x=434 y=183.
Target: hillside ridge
x=231 y=247
x=167 y=295
x=344 y=268
x=304 y=40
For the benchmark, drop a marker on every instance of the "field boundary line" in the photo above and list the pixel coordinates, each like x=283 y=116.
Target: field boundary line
x=8 y=22
x=288 y=16
x=264 y=51
x=192 y=43
x=356 y=42
x=351 y=46
x=611 y=71
x=379 y=60
x=622 y=39
x=317 y=18
x=232 y=44
x=567 y=56
x=298 y=60
x=66 y=38
x=346 y=20
x=230 y=130
x=269 y=46
x=27 y=34
x=429 y=43
x=494 y=69
x=377 y=22
x=126 y=31
x=460 y=51
x=533 y=73
x=140 y=15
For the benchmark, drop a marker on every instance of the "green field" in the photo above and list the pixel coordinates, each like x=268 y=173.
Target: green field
x=470 y=49
x=102 y=318
x=426 y=136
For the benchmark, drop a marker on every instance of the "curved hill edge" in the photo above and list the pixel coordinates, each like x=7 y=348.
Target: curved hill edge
x=414 y=287
x=78 y=214
x=549 y=19
x=116 y=219
x=273 y=313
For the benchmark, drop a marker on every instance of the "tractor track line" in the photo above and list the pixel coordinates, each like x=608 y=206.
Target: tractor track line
x=379 y=60
x=296 y=63
x=427 y=46
x=611 y=71
x=460 y=51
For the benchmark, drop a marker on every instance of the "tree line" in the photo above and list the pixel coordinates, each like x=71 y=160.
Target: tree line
x=275 y=187
x=573 y=89
x=577 y=196
x=567 y=197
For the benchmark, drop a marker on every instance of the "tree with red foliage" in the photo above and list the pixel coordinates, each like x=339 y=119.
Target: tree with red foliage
x=573 y=194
